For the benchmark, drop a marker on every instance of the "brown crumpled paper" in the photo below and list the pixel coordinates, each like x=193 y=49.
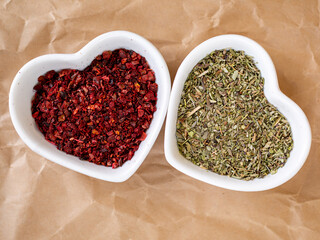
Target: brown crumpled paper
x=42 y=200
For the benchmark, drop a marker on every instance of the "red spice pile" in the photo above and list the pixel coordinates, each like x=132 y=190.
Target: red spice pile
x=99 y=114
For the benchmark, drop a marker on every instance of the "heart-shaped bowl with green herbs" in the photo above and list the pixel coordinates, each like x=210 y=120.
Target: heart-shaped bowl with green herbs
x=212 y=160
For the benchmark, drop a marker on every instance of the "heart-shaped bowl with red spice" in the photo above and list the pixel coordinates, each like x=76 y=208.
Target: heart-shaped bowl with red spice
x=300 y=127
x=22 y=93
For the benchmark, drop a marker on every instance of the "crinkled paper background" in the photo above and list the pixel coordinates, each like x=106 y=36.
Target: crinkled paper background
x=41 y=200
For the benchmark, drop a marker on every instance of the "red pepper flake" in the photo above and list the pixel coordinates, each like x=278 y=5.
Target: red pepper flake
x=137 y=86
x=140 y=113
x=61 y=118
x=99 y=114
x=143 y=136
x=95 y=132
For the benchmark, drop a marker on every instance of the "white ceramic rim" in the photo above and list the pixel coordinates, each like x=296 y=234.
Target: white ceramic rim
x=297 y=119
x=76 y=60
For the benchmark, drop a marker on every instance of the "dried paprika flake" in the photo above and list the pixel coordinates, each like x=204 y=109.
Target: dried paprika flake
x=99 y=114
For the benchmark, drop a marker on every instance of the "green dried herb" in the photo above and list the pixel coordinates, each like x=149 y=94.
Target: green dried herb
x=225 y=123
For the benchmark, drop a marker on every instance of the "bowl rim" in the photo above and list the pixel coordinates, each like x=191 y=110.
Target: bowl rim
x=170 y=145
x=77 y=56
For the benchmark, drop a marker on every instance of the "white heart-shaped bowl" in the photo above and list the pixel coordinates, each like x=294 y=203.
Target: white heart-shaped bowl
x=297 y=119
x=21 y=93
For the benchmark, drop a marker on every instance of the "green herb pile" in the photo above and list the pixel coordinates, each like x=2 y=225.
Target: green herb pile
x=225 y=123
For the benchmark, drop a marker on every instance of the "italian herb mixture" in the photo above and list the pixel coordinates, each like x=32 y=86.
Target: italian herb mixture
x=225 y=123
x=100 y=114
